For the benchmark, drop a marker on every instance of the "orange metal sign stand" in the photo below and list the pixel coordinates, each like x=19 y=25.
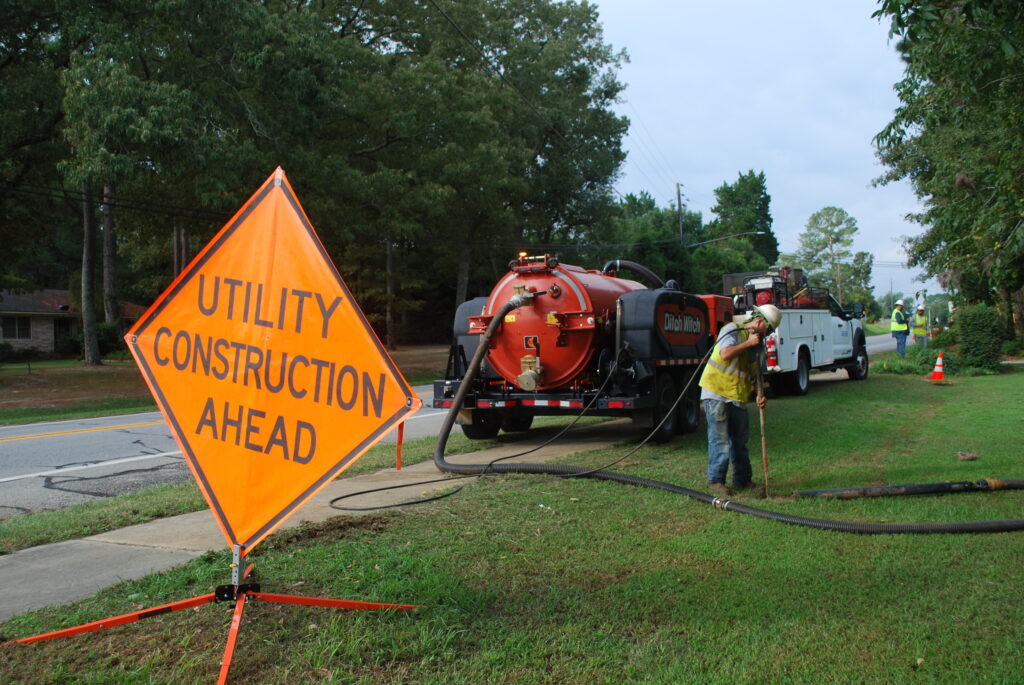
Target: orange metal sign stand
x=239 y=594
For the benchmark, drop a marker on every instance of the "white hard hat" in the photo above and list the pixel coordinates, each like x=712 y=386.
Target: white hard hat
x=899 y=303
x=920 y=307
x=770 y=313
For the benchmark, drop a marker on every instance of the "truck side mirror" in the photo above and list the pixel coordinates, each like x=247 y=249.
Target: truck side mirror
x=858 y=310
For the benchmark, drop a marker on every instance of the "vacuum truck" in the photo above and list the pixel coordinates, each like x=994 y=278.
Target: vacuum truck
x=582 y=339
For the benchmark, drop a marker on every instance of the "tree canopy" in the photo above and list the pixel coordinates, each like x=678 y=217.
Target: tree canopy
x=825 y=255
x=447 y=134
x=957 y=137
x=744 y=207
x=428 y=142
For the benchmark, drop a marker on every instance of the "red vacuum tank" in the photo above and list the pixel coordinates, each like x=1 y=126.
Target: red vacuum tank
x=549 y=341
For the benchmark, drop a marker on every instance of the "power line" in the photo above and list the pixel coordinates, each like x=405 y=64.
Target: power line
x=198 y=215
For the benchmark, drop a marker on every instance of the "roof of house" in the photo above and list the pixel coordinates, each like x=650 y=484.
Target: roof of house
x=53 y=302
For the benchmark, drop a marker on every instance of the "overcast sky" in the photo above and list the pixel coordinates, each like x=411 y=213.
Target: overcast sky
x=794 y=88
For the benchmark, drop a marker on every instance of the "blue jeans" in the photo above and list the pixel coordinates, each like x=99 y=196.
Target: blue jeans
x=901 y=342
x=728 y=430
x=921 y=340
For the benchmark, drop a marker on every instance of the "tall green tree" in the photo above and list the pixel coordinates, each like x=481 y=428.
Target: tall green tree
x=824 y=252
x=744 y=206
x=825 y=255
x=956 y=137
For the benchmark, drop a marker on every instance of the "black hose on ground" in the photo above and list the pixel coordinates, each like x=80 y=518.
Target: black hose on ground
x=726 y=505
x=983 y=485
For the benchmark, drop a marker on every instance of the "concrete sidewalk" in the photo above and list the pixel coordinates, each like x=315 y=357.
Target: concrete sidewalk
x=65 y=571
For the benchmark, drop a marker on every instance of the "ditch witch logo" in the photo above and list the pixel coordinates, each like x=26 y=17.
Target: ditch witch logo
x=674 y=323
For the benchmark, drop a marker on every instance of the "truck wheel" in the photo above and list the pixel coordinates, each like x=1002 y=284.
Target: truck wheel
x=688 y=419
x=516 y=424
x=485 y=426
x=801 y=378
x=665 y=397
x=858 y=370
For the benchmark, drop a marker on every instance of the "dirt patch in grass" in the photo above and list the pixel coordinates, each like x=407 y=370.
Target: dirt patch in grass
x=72 y=386
x=332 y=529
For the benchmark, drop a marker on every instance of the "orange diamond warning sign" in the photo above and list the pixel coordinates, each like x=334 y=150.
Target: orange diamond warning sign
x=265 y=368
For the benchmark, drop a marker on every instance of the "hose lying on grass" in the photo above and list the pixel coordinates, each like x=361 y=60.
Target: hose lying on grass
x=983 y=485
x=575 y=471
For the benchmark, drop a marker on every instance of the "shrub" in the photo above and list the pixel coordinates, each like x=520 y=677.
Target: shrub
x=979 y=333
x=109 y=337
x=943 y=340
x=1012 y=348
x=920 y=362
x=68 y=346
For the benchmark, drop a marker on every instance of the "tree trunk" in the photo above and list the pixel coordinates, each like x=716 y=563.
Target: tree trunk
x=181 y=249
x=462 y=275
x=1018 y=313
x=90 y=345
x=389 y=292
x=111 y=311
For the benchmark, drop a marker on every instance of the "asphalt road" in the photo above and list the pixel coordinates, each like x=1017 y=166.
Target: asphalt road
x=55 y=464
x=880 y=343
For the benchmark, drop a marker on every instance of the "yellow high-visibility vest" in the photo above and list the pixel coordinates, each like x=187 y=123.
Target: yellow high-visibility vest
x=902 y=325
x=734 y=379
x=920 y=325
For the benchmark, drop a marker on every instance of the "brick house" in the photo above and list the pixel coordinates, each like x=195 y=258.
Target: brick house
x=39 y=319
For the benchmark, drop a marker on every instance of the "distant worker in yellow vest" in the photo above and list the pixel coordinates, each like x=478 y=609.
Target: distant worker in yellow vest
x=900 y=328
x=729 y=381
x=919 y=327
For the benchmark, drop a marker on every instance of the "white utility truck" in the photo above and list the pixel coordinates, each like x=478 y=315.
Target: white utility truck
x=816 y=331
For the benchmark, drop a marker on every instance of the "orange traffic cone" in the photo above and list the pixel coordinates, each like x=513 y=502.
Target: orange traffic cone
x=937 y=373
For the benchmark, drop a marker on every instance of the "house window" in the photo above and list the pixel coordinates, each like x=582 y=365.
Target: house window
x=16 y=327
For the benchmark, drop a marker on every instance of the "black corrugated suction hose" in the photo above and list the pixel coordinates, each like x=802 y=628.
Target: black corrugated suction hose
x=983 y=485
x=726 y=505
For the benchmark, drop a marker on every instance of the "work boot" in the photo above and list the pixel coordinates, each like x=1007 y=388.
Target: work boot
x=719 y=489
x=750 y=488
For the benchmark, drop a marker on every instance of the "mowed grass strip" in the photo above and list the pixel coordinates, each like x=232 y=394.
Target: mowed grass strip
x=532 y=579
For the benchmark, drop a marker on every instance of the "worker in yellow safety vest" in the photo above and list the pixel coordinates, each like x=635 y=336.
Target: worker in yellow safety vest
x=728 y=382
x=900 y=328
x=919 y=326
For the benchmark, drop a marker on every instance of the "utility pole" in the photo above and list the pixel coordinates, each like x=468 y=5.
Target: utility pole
x=679 y=210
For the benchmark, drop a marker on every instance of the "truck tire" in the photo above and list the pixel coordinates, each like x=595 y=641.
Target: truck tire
x=665 y=397
x=797 y=382
x=858 y=370
x=688 y=419
x=485 y=426
x=516 y=424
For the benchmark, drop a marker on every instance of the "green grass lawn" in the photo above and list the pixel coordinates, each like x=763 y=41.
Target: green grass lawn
x=532 y=579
